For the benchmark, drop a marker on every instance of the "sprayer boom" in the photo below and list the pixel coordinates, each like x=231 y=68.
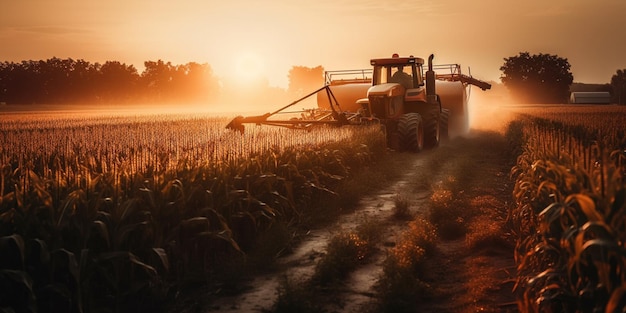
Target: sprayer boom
x=307 y=118
x=452 y=73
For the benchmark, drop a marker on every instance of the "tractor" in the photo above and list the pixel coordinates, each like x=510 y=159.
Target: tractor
x=396 y=93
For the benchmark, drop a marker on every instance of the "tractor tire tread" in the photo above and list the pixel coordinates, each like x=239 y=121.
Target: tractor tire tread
x=411 y=132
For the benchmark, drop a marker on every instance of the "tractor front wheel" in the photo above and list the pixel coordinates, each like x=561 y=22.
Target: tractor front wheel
x=411 y=132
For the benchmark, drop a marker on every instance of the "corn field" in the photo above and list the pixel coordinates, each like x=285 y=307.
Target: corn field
x=110 y=213
x=570 y=215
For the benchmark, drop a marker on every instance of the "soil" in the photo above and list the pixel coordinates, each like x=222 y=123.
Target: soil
x=464 y=276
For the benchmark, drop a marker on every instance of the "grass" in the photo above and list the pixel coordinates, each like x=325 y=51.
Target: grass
x=491 y=231
x=457 y=211
x=401 y=208
x=296 y=297
x=447 y=213
x=344 y=252
x=401 y=285
x=368 y=180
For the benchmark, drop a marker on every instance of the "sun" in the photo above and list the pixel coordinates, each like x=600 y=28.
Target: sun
x=249 y=66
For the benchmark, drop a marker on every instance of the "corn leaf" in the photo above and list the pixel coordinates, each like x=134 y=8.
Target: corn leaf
x=617 y=301
x=12 y=251
x=162 y=256
x=586 y=205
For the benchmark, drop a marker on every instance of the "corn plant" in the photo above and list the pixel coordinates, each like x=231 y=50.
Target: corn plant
x=571 y=199
x=112 y=213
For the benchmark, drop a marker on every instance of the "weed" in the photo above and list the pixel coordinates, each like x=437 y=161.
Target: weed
x=401 y=209
x=343 y=253
x=486 y=234
x=447 y=213
x=400 y=286
x=295 y=297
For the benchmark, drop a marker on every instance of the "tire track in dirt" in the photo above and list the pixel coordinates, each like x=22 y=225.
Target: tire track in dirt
x=357 y=291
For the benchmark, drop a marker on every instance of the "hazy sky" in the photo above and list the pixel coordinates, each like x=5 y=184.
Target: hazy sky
x=268 y=37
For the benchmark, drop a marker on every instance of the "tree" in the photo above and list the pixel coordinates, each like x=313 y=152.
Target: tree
x=117 y=82
x=157 y=79
x=83 y=77
x=541 y=78
x=202 y=84
x=20 y=83
x=77 y=81
x=618 y=84
x=194 y=82
x=304 y=79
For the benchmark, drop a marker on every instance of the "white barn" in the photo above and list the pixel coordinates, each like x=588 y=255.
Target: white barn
x=596 y=97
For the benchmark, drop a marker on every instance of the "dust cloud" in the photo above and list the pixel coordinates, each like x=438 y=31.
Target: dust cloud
x=491 y=109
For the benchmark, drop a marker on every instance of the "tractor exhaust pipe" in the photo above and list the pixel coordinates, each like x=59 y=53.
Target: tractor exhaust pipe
x=431 y=94
x=430 y=62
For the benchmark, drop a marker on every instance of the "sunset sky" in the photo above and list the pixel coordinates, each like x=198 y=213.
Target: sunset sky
x=269 y=37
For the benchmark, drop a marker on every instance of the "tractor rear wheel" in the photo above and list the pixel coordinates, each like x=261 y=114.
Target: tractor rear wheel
x=443 y=124
x=411 y=132
x=432 y=127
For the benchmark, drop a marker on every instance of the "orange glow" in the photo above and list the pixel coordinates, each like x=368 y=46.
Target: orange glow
x=249 y=66
x=267 y=40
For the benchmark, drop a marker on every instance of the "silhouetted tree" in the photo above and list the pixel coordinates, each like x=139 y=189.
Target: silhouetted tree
x=56 y=74
x=541 y=78
x=77 y=81
x=195 y=82
x=22 y=83
x=189 y=82
x=157 y=79
x=10 y=76
x=618 y=83
x=117 y=82
x=304 y=79
x=83 y=78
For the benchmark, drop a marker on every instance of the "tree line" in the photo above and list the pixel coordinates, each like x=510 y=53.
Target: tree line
x=60 y=81
x=538 y=78
x=63 y=81
x=546 y=78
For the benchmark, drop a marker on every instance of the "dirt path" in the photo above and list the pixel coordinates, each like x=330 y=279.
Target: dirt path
x=475 y=272
x=300 y=265
x=466 y=274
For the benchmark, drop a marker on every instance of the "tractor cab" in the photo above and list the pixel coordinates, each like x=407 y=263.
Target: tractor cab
x=405 y=71
x=395 y=82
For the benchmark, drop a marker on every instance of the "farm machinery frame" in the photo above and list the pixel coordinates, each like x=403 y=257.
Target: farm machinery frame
x=417 y=108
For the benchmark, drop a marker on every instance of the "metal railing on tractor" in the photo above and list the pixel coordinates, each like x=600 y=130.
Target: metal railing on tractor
x=445 y=72
x=357 y=76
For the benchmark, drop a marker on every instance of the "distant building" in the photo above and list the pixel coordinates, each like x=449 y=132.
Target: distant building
x=596 y=97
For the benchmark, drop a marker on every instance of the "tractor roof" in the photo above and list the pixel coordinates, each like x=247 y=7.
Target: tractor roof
x=397 y=60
